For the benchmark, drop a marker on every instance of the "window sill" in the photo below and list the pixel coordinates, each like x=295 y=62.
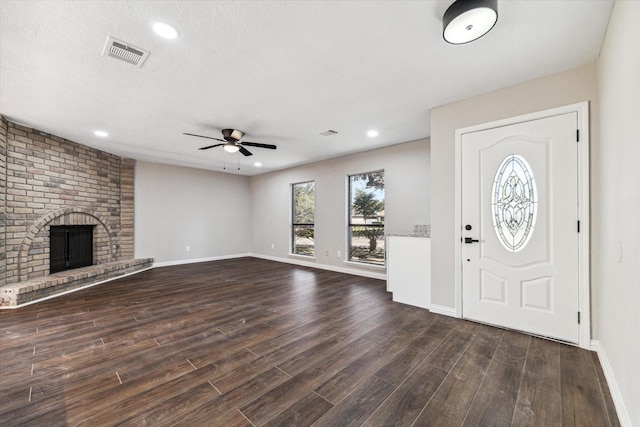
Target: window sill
x=305 y=257
x=365 y=265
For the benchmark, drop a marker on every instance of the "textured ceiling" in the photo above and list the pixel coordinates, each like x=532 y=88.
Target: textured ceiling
x=281 y=71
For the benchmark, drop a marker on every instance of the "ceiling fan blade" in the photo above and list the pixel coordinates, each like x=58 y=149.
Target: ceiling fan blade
x=210 y=146
x=255 y=144
x=245 y=151
x=202 y=136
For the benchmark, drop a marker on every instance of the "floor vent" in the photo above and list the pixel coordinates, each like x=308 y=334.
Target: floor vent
x=125 y=52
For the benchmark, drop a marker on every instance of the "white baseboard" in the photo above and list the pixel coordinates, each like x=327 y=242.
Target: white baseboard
x=616 y=395
x=194 y=260
x=441 y=309
x=302 y=261
x=345 y=270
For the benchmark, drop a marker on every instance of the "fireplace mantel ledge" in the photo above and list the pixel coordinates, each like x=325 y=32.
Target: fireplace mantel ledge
x=16 y=294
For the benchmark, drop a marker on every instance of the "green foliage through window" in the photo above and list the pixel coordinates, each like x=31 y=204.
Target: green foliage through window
x=366 y=218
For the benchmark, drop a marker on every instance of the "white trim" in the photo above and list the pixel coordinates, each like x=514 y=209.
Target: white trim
x=582 y=110
x=441 y=309
x=74 y=289
x=365 y=265
x=352 y=271
x=194 y=260
x=584 y=263
x=305 y=257
x=457 y=224
x=616 y=394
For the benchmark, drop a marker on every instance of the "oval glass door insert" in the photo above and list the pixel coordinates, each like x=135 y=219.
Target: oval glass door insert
x=515 y=203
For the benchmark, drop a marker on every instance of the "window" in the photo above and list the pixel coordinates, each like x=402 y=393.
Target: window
x=366 y=218
x=515 y=202
x=302 y=229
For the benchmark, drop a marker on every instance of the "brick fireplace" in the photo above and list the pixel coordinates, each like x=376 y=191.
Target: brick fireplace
x=50 y=181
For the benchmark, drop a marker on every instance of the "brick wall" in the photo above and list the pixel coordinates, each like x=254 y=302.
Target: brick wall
x=3 y=197
x=54 y=181
x=126 y=208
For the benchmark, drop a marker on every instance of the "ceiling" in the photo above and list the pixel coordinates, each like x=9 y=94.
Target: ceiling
x=281 y=71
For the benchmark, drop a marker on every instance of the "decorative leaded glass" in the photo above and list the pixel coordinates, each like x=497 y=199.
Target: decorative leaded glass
x=515 y=203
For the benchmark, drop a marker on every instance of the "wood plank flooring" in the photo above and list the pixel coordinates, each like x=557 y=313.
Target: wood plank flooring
x=249 y=342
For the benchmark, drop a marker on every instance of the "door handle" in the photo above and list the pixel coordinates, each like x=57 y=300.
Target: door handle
x=469 y=240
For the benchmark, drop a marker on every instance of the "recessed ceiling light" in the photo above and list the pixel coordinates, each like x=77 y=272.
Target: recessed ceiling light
x=100 y=133
x=257 y=164
x=372 y=133
x=165 y=30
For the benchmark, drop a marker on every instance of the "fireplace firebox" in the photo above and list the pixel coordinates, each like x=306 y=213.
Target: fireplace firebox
x=70 y=246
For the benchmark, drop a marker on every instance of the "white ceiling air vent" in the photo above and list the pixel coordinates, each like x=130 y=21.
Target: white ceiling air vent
x=125 y=52
x=328 y=132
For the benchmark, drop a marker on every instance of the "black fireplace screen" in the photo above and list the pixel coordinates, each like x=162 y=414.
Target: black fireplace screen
x=71 y=246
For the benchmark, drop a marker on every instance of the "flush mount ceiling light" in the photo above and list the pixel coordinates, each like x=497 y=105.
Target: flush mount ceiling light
x=231 y=147
x=100 y=133
x=165 y=30
x=257 y=164
x=468 y=20
x=372 y=133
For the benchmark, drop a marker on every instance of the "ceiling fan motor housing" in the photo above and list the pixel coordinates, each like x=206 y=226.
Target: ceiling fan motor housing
x=232 y=135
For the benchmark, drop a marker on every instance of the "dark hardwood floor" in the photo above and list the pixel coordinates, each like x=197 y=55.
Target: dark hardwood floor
x=249 y=342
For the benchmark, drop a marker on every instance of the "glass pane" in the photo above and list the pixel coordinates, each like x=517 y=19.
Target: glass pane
x=302 y=218
x=303 y=240
x=366 y=207
x=367 y=244
x=367 y=198
x=515 y=203
x=303 y=203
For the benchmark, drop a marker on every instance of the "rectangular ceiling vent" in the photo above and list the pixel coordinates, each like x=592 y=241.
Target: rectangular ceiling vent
x=328 y=132
x=125 y=52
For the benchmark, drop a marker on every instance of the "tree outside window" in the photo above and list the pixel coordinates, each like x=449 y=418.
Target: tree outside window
x=302 y=227
x=366 y=217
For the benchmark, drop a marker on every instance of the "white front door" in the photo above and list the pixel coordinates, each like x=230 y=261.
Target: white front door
x=520 y=246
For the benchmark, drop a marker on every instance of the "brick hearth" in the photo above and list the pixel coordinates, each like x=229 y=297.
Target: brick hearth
x=20 y=293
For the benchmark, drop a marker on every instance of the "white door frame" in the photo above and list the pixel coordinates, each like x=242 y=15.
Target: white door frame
x=582 y=109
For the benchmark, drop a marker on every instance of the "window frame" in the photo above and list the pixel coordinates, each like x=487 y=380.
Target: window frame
x=350 y=225
x=292 y=239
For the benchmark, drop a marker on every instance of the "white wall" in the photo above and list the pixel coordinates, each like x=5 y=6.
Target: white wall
x=568 y=87
x=407 y=201
x=615 y=187
x=177 y=206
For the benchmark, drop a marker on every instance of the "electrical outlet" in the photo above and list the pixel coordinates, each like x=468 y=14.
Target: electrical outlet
x=187 y=248
x=273 y=246
x=326 y=253
x=339 y=254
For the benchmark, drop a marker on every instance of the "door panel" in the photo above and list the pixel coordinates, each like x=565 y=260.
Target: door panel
x=520 y=201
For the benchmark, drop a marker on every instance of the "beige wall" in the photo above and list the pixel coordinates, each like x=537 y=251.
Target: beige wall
x=407 y=180
x=615 y=186
x=568 y=87
x=176 y=207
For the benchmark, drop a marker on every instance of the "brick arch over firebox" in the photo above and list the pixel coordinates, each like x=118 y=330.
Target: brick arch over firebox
x=33 y=258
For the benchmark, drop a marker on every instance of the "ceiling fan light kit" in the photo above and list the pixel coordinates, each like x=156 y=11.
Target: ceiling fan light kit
x=231 y=142
x=468 y=20
x=230 y=147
